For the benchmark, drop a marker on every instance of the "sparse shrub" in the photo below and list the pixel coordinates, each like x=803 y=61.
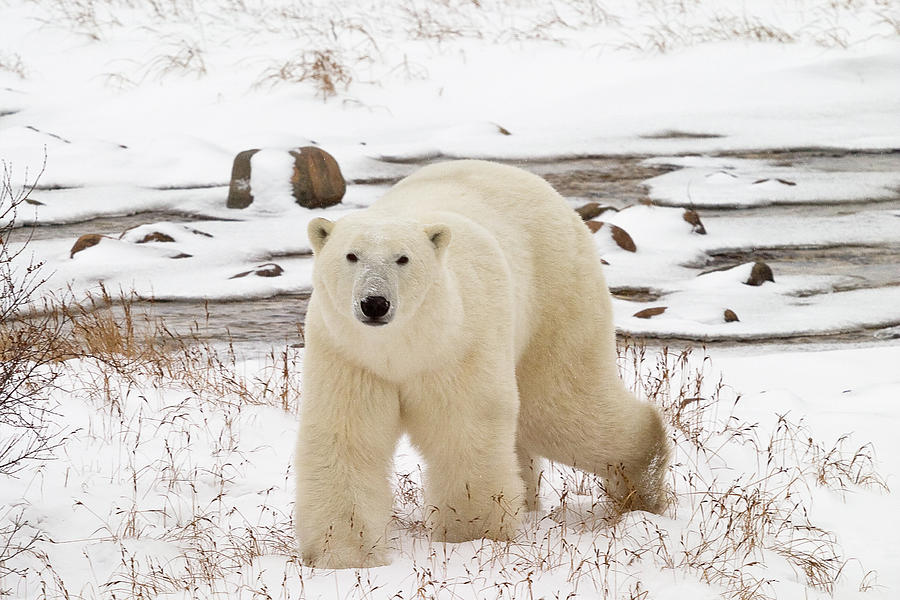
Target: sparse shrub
x=323 y=68
x=29 y=352
x=29 y=342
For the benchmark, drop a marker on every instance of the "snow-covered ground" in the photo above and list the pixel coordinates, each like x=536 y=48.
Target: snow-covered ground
x=164 y=491
x=169 y=488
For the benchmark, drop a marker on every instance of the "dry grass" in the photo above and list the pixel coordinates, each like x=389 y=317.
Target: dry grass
x=121 y=334
x=328 y=46
x=12 y=63
x=323 y=68
x=725 y=524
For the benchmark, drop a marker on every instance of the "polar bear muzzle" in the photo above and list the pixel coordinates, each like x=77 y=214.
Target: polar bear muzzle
x=375 y=308
x=374 y=296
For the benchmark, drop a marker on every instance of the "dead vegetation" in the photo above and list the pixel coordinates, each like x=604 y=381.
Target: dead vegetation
x=327 y=46
x=741 y=491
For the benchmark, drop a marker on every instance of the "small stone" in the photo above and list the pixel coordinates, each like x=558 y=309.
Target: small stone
x=269 y=270
x=693 y=218
x=85 y=241
x=650 y=312
x=266 y=270
x=198 y=232
x=623 y=239
x=619 y=235
x=591 y=210
x=730 y=316
x=760 y=273
x=156 y=236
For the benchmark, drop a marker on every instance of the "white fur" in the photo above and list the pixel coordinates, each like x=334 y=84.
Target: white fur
x=499 y=350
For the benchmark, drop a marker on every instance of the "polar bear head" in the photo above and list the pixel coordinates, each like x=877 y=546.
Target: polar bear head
x=376 y=271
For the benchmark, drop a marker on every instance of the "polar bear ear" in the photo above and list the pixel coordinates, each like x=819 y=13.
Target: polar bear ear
x=439 y=235
x=318 y=231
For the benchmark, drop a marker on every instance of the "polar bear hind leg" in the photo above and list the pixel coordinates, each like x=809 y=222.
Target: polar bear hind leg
x=585 y=417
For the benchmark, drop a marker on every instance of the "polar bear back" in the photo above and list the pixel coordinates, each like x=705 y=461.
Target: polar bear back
x=554 y=268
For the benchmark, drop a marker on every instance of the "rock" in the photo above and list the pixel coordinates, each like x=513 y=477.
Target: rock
x=175 y=234
x=730 y=316
x=693 y=218
x=156 y=236
x=623 y=239
x=619 y=235
x=591 y=210
x=777 y=180
x=760 y=273
x=198 y=232
x=239 y=195
x=650 y=312
x=594 y=226
x=266 y=270
x=85 y=241
x=317 y=180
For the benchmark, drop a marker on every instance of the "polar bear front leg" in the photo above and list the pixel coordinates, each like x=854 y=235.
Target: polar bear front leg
x=349 y=425
x=472 y=483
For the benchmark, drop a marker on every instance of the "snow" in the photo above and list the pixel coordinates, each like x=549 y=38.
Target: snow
x=270 y=181
x=128 y=115
x=727 y=183
x=185 y=494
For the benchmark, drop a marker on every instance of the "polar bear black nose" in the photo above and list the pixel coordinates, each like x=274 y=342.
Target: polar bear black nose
x=375 y=307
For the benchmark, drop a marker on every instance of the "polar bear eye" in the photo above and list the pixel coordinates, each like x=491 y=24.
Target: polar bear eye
x=352 y=257
x=402 y=260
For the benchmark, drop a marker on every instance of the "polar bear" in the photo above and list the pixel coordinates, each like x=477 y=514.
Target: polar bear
x=468 y=309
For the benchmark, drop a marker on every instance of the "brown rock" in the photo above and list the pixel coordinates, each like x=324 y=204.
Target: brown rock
x=650 y=312
x=156 y=236
x=760 y=273
x=198 y=232
x=693 y=218
x=619 y=235
x=778 y=179
x=85 y=241
x=594 y=226
x=730 y=316
x=239 y=194
x=623 y=239
x=317 y=178
x=266 y=270
x=591 y=210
